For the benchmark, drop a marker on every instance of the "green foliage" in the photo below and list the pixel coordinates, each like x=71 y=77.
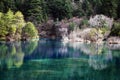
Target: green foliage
x=11 y=55
x=11 y=25
x=115 y=29
x=60 y=8
x=3 y=28
x=93 y=32
x=109 y=8
x=71 y=26
x=79 y=11
x=29 y=31
x=8 y=22
x=92 y=7
x=35 y=10
x=19 y=21
x=84 y=22
x=7 y=4
x=29 y=46
x=87 y=7
x=3 y=49
x=39 y=11
x=118 y=10
x=103 y=30
x=1 y=6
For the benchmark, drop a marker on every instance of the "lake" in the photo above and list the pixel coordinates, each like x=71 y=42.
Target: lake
x=54 y=60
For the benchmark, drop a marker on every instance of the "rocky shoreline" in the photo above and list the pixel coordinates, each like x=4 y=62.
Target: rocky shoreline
x=113 y=40
x=76 y=30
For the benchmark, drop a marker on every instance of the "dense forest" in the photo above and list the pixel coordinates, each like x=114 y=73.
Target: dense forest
x=40 y=11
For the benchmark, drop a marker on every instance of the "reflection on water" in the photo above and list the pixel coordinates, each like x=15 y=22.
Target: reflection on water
x=12 y=53
x=54 y=60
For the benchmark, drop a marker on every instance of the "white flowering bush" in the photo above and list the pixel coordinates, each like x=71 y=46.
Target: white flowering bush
x=100 y=21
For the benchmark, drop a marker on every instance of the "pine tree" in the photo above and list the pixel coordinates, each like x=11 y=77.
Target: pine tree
x=2 y=6
x=109 y=8
x=9 y=4
x=118 y=10
x=33 y=11
x=60 y=8
x=87 y=8
x=44 y=10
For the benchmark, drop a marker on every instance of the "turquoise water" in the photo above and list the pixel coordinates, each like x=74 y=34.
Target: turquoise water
x=55 y=60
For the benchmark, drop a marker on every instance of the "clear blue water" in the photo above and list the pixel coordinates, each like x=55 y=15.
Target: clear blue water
x=55 y=60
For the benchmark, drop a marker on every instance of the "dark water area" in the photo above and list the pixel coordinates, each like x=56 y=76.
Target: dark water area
x=54 y=60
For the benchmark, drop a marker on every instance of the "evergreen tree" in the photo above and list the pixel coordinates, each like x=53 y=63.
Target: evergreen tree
x=95 y=5
x=33 y=11
x=87 y=8
x=20 y=4
x=79 y=11
x=118 y=10
x=60 y=8
x=9 y=4
x=44 y=10
x=109 y=8
x=2 y=6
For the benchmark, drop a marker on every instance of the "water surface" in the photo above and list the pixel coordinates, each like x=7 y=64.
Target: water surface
x=55 y=60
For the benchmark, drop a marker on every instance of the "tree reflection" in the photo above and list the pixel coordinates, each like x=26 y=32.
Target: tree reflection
x=12 y=55
x=100 y=55
x=65 y=69
x=29 y=46
x=57 y=61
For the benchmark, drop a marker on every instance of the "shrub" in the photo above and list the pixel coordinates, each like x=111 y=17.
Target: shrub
x=29 y=31
x=91 y=34
x=84 y=22
x=19 y=21
x=101 y=21
x=36 y=11
x=71 y=26
x=115 y=31
x=11 y=26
